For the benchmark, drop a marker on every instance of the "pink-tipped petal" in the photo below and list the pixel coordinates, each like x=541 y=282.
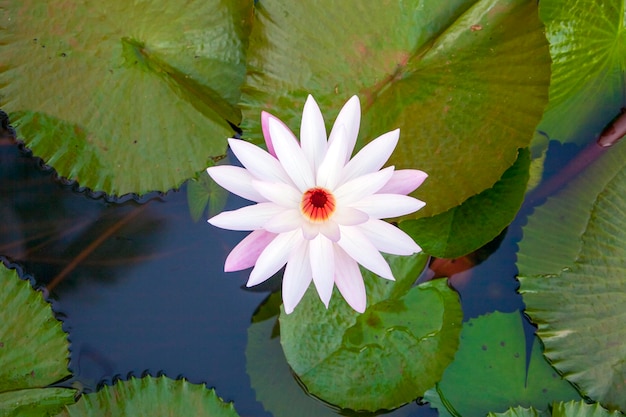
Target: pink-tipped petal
x=363 y=251
x=388 y=238
x=350 y=117
x=284 y=221
x=313 y=133
x=381 y=206
x=237 y=180
x=349 y=280
x=265 y=116
x=404 y=181
x=245 y=254
x=348 y=216
x=331 y=168
x=321 y=254
x=372 y=157
x=259 y=163
x=274 y=256
x=285 y=195
x=291 y=156
x=246 y=218
x=352 y=191
x=297 y=277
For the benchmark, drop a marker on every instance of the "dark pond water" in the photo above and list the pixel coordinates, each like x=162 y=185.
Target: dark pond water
x=140 y=286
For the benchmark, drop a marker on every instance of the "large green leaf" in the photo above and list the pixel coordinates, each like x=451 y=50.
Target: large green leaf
x=471 y=225
x=153 y=397
x=35 y=402
x=33 y=350
x=491 y=372
x=123 y=96
x=465 y=80
x=561 y=409
x=552 y=236
x=588 y=49
x=581 y=310
x=271 y=376
x=380 y=359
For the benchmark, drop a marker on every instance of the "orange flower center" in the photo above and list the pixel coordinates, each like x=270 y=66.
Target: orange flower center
x=318 y=204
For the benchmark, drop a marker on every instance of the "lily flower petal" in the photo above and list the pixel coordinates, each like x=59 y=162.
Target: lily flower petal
x=372 y=157
x=313 y=133
x=265 y=117
x=261 y=165
x=389 y=239
x=381 y=206
x=285 y=221
x=331 y=167
x=237 y=180
x=349 y=216
x=297 y=278
x=349 y=280
x=323 y=267
x=352 y=191
x=291 y=156
x=331 y=230
x=246 y=253
x=404 y=181
x=285 y=195
x=246 y=218
x=361 y=250
x=350 y=118
x=274 y=256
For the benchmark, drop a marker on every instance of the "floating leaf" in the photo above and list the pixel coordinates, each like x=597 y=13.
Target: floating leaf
x=581 y=310
x=33 y=350
x=380 y=359
x=581 y=409
x=467 y=227
x=465 y=81
x=123 y=96
x=588 y=52
x=150 y=396
x=491 y=373
x=35 y=402
x=521 y=412
x=203 y=192
x=270 y=375
x=552 y=237
x=561 y=409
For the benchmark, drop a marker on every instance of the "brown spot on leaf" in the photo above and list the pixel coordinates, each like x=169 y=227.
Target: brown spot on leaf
x=475 y=28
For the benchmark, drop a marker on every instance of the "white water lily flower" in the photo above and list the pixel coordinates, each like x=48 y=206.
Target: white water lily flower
x=318 y=211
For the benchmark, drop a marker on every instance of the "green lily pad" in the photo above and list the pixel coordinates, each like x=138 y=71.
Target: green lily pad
x=154 y=397
x=561 y=409
x=383 y=358
x=466 y=81
x=35 y=402
x=474 y=223
x=491 y=372
x=552 y=236
x=588 y=49
x=581 y=310
x=521 y=412
x=203 y=192
x=33 y=350
x=120 y=96
x=271 y=376
x=269 y=373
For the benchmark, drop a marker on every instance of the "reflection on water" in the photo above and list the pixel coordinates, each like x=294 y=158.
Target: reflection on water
x=141 y=287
